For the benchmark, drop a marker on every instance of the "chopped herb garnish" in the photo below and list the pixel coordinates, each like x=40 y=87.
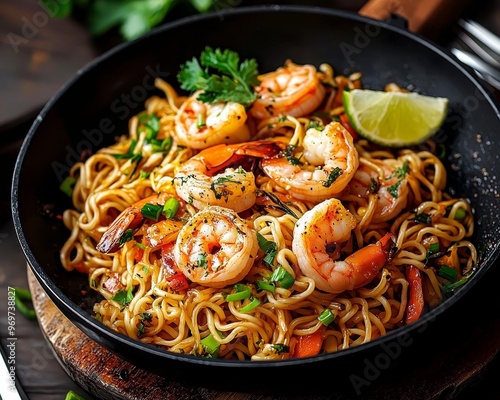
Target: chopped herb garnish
x=123 y=296
x=200 y=121
x=423 y=218
x=202 y=261
x=332 y=177
x=268 y=247
x=279 y=204
x=144 y=174
x=290 y=157
x=127 y=236
x=280 y=348
x=393 y=189
x=235 y=82
x=67 y=185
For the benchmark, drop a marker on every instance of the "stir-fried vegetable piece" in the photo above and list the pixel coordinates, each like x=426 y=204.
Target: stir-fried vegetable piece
x=416 y=297
x=309 y=345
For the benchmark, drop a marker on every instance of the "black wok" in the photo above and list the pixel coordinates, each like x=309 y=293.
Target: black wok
x=95 y=105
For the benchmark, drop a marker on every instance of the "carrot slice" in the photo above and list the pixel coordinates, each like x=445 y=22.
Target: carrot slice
x=416 y=298
x=309 y=345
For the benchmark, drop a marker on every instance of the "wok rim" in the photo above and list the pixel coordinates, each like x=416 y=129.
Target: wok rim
x=86 y=322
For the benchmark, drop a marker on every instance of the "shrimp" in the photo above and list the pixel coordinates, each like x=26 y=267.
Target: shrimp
x=217 y=176
x=389 y=185
x=216 y=247
x=327 y=224
x=200 y=125
x=290 y=90
x=130 y=218
x=330 y=161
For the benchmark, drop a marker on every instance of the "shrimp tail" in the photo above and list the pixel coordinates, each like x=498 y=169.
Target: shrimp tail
x=368 y=261
x=219 y=157
x=130 y=218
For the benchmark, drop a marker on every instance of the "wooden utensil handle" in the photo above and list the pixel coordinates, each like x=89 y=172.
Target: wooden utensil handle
x=430 y=18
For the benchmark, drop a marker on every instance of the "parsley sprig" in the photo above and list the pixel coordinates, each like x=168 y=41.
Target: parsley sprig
x=221 y=76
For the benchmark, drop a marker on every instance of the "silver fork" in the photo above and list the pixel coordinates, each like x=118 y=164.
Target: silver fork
x=479 y=48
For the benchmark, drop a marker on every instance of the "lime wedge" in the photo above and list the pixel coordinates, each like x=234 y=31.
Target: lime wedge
x=394 y=119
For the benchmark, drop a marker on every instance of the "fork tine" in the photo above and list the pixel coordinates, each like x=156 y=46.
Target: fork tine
x=478 y=49
x=482 y=34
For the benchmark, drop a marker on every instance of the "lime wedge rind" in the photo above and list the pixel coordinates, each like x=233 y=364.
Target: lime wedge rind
x=394 y=119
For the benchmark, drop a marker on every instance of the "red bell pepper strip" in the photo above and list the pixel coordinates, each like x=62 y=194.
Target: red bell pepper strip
x=416 y=297
x=344 y=120
x=309 y=345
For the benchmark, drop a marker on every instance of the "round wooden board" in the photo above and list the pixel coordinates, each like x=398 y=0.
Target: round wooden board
x=107 y=376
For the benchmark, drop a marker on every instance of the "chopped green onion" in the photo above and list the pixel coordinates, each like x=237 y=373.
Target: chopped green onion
x=283 y=277
x=460 y=214
x=144 y=174
x=250 y=306
x=450 y=287
x=129 y=153
x=242 y=292
x=210 y=345
x=326 y=317
x=447 y=273
x=73 y=396
x=127 y=235
x=268 y=247
x=152 y=124
x=171 y=207
x=67 y=185
x=140 y=245
x=261 y=285
x=151 y=211
x=433 y=248
x=423 y=218
x=200 y=121
x=22 y=295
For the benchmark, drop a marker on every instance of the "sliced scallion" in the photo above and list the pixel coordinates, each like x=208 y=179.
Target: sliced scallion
x=261 y=285
x=250 y=306
x=447 y=272
x=326 y=317
x=282 y=277
x=242 y=292
x=210 y=345
x=151 y=211
x=67 y=185
x=171 y=207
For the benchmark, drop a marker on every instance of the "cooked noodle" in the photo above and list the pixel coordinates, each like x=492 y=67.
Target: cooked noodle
x=177 y=320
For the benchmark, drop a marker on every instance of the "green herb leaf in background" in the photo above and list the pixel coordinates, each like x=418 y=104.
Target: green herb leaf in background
x=133 y=18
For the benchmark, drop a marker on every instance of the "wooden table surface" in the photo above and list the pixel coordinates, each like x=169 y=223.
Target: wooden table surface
x=28 y=78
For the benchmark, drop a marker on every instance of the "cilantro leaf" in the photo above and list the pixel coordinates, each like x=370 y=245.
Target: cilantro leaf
x=234 y=81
